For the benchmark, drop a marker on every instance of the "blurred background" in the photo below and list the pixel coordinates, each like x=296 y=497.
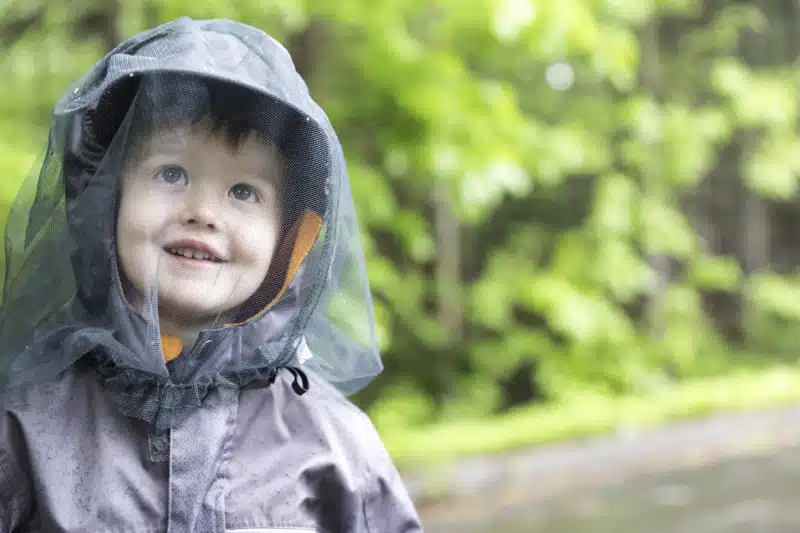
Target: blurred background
x=580 y=222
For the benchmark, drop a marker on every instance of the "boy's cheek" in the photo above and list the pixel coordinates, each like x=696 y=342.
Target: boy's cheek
x=154 y=206
x=258 y=237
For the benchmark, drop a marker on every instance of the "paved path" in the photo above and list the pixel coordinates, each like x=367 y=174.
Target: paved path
x=730 y=473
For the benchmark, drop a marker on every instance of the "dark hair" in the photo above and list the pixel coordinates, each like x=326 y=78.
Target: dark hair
x=229 y=112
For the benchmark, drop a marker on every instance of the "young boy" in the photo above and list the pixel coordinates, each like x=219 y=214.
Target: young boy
x=185 y=304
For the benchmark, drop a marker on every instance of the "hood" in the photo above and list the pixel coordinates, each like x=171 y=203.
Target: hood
x=190 y=175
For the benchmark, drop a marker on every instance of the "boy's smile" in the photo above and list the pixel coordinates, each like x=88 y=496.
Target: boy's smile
x=196 y=250
x=199 y=220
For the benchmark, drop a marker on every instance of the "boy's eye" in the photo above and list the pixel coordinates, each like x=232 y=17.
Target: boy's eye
x=244 y=192
x=172 y=174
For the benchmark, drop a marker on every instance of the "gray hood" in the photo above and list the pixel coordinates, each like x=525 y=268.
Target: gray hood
x=319 y=322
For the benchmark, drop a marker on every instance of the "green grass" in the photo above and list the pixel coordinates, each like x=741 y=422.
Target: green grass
x=744 y=390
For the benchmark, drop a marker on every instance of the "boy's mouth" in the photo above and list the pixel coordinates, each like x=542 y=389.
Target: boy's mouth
x=194 y=250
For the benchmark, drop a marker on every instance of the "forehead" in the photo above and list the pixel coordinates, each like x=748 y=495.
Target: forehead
x=246 y=153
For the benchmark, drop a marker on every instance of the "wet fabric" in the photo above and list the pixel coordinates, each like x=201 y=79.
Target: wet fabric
x=266 y=463
x=185 y=305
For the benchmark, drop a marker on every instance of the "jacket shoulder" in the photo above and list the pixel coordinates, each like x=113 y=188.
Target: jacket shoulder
x=329 y=415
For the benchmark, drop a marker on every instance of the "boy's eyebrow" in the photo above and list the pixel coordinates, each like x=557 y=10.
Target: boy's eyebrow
x=167 y=142
x=262 y=170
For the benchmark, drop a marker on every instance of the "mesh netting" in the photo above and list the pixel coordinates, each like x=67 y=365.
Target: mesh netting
x=189 y=229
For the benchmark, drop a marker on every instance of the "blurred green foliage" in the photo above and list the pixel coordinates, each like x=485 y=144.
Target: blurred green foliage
x=556 y=197
x=429 y=449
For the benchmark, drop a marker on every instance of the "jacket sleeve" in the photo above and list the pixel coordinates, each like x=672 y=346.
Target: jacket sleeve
x=388 y=508
x=16 y=494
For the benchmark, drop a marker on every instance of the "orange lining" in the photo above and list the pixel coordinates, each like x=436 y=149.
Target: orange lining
x=171 y=347
x=310 y=226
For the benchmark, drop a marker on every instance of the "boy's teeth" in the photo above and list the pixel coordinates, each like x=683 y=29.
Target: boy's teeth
x=190 y=254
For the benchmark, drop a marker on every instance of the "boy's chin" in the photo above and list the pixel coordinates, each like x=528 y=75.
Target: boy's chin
x=194 y=315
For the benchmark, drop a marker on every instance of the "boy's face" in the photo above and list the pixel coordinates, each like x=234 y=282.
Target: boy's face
x=201 y=218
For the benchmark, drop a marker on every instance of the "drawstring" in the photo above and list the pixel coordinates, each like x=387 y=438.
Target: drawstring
x=300 y=384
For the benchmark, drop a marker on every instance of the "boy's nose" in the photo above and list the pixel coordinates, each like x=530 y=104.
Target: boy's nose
x=191 y=221
x=199 y=214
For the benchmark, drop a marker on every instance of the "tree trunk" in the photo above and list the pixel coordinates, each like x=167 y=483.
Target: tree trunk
x=653 y=180
x=112 y=36
x=756 y=223
x=448 y=264
x=151 y=14
x=306 y=48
